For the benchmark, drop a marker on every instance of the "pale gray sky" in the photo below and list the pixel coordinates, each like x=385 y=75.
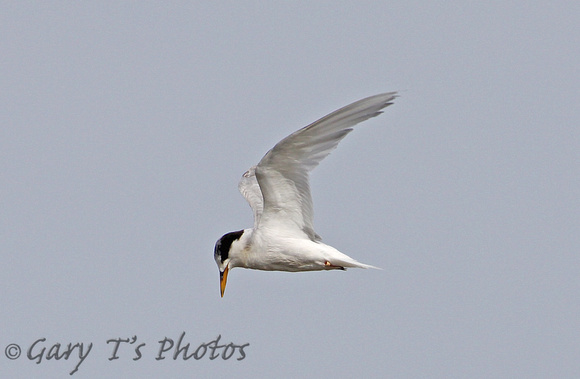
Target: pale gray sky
x=126 y=126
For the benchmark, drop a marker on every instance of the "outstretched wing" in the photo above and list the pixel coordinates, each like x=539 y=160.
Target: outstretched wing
x=282 y=174
x=250 y=189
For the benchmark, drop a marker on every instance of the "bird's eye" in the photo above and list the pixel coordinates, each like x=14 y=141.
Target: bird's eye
x=217 y=249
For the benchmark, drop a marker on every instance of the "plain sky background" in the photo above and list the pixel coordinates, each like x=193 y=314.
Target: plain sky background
x=125 y=127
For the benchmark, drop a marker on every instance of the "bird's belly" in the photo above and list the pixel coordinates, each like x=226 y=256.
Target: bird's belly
x=285 y=262
x=289 y=256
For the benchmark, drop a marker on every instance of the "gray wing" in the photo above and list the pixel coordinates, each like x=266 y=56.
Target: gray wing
x=282 y=173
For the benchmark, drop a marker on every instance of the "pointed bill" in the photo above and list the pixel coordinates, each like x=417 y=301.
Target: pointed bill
x=223 y=280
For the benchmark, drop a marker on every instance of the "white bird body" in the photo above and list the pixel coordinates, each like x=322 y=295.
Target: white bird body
x=275 y=251
x=278 y=191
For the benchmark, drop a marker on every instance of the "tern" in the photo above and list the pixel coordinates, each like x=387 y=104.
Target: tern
x=278 y=191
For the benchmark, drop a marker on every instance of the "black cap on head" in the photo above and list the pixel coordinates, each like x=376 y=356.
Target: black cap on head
x=222 y=246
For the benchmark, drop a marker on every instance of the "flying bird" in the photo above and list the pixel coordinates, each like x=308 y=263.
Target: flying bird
x=278 y=191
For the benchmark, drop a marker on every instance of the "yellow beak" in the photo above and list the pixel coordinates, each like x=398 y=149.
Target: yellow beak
x=223 y=280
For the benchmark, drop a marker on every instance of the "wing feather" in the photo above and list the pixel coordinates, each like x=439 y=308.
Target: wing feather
x=250 y=189
x=278 y=188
